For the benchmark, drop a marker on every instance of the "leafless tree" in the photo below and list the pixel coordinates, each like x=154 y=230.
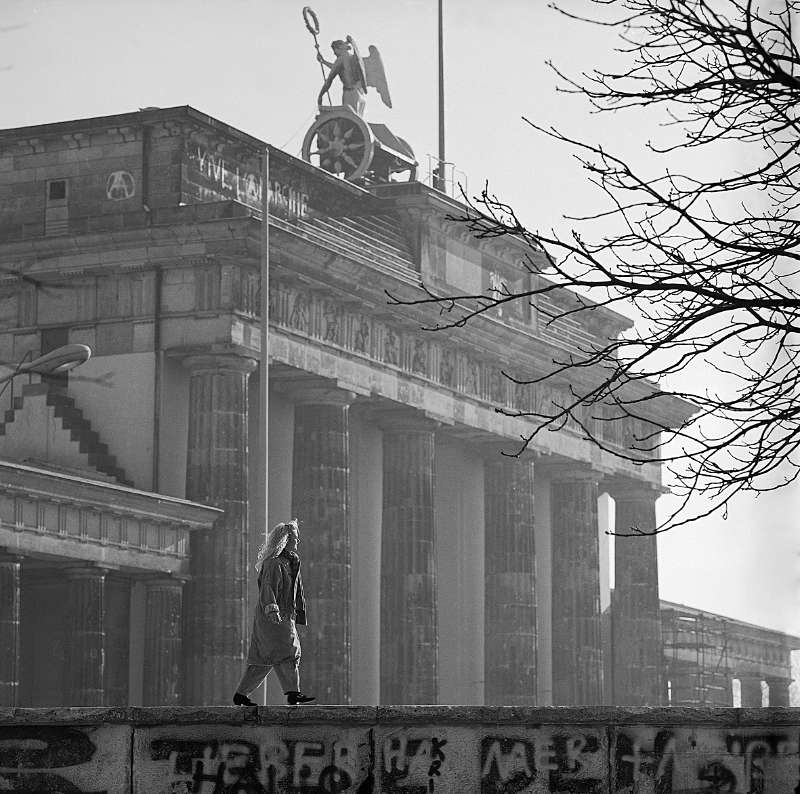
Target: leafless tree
x=709 y=263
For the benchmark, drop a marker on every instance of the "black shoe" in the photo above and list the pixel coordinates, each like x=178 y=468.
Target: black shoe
x=242 y=700
x=294 y=698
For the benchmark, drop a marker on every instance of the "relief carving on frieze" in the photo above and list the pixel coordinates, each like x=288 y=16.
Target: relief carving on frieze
x=298 y=318
x=497 y=386
x=419 y=357
x=361 y=336
x=333 y=323
x=391 y=346
x=447 y=368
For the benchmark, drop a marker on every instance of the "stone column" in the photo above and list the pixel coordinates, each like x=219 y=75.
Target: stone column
x=778 y=690
x=216 y=473
x=117 y=608
x=409 y=636
x=320 y=499
x=85 y=636
x=510 y=600
x=577 y=640
x=636 y=610
x=162 y=641
x=9 y=628
x=751 y=689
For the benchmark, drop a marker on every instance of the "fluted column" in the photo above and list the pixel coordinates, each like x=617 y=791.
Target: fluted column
x=85 y=638
x=117 y=608
x=409 y=636
x=750 y=689
x=778 y=690
x=216 y=474
x=320 y=496
x=577 y=643
x=9 y=628
x=162 y=642
x=636 y=610
x=510 y=600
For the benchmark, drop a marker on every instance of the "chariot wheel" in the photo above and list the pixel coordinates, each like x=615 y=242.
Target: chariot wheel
x=340 y=142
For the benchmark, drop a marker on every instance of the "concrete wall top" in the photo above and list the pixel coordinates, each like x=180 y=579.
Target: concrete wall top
x=407 y=715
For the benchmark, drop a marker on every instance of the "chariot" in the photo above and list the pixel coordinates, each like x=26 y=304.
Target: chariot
x=342 y=143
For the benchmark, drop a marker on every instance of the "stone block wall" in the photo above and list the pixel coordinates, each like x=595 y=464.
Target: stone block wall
x=399 y=749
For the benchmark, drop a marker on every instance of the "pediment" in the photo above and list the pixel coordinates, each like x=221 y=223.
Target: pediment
x=46 y=429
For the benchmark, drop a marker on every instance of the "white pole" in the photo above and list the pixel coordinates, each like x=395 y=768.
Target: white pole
x=263 y=452
x=440 y=181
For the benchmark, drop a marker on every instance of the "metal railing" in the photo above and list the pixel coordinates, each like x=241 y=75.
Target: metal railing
x=443 y=175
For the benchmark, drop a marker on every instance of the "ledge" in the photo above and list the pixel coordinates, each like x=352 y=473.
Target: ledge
x=473 y=716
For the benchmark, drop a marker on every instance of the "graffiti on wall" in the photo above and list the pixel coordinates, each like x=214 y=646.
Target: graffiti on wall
x=244 y=766
x=330 y=758
x=539 y=760
x=120 y=185
x=48 y=760
x=685 y=762
x=214 y=175
x=566 y=762
x=412 y=765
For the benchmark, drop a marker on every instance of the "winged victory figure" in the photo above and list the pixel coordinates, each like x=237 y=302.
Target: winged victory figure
x=356 y=74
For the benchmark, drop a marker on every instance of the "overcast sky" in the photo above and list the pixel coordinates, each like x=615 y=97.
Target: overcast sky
x=251 y=64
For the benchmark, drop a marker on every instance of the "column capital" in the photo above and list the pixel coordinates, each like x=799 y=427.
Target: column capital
x=568 y=471
x=86 y=570
x=504 y=450
x=629 y=489
x=777 y=680
x=748 y=675
x=778 y=689
x=316 y=391
x=202 y=363
x=157 y=579
x=401 y=419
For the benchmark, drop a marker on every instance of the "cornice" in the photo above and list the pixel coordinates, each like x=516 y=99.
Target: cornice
x=104 y=497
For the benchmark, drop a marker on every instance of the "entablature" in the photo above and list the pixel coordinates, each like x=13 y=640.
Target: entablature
x=52 y=514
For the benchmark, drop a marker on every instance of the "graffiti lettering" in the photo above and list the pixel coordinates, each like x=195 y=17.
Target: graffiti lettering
x=635 y=765
x=410 y=765
x=242 y=767
x=245 y=186
x=506 y=765
x=42 y=748
x=437 y=756
x=572 y=762
x=740 y=763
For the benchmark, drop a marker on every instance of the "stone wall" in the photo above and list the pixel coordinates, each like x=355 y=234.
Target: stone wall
x=399 y=749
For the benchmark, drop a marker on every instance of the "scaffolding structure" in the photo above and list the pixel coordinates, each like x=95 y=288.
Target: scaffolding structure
x=697 y=672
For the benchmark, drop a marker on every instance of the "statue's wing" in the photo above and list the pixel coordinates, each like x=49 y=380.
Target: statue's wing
x=375 y=75
x=360 y=60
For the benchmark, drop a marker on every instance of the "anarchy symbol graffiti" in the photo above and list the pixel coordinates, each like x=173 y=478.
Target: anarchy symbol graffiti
x=120 y=185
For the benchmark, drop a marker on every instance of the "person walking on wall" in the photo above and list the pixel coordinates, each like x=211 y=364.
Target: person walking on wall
x=274 y=643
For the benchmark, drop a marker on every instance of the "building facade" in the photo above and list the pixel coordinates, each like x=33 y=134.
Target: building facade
x=436 y=569
x=714 y=660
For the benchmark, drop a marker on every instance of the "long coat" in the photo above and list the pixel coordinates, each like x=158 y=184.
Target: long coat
x=273 y=643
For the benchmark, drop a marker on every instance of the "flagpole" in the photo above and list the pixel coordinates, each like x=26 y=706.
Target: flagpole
x=439 y=183
x=263 y=403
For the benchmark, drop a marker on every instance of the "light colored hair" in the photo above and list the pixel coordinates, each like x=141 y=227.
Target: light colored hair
x=276 y=541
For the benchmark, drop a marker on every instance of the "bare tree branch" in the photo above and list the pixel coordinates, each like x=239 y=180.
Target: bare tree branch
x=709 y=264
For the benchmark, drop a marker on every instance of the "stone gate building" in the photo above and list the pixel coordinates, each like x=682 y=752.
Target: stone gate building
x=436 y=569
